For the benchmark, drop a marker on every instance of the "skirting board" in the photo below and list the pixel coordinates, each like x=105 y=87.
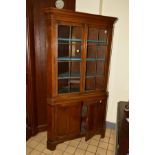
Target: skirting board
x=110 y=125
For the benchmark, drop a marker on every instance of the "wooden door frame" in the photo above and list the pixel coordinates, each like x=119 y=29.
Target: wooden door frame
x=31 y=106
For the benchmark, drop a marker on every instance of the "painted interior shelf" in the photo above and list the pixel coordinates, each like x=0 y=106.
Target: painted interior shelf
x=78 y=59
x=67 y=75
x=89 y=75
x=69 y=59
x=69 y=89
x=68 y=40
x=97 y=41
x=94 y=59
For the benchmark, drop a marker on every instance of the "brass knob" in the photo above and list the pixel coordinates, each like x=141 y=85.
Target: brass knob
x=100 y=101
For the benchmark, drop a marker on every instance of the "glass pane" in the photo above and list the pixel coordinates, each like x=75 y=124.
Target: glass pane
x=63 y=50
x=68 y=85
x=74 y=85
x=99 y=83
x=101 y=52
x=91 y=51
x=69 y=77
x=90 y=68
x=66 y=50
x=75 y=68
x=68 y=69
x=63 y=86
x=97 y=36
x=99 y=67
x=93 y=34
x=76 y=32
x=63 y=31
x=90 y=83
x=63 y=69
x=103 y=35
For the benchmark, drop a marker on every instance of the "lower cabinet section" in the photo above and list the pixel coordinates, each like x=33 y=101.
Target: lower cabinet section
x=71 y=120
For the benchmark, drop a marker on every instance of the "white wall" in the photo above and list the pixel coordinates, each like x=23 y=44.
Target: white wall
x=89 y=6
x=118 y=80
x=119 y=70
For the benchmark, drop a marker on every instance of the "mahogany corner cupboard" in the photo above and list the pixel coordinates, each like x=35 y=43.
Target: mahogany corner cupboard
x=78 y=55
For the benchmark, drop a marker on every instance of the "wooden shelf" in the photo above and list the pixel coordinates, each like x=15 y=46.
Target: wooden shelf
x=69 y=59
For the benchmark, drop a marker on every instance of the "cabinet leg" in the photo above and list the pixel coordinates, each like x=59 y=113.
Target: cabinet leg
x=103 y=133
x=51 y=146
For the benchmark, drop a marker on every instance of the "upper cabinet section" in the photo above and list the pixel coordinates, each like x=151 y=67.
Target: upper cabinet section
x=78 y=48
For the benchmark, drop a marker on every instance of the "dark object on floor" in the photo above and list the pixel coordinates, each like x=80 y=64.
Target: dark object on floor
x=122 y=129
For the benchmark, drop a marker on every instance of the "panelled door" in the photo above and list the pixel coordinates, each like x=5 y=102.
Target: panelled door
x=95 y=121
x=67 y=119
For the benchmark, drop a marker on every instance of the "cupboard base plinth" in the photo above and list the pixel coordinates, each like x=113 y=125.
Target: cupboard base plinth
x=51 y=144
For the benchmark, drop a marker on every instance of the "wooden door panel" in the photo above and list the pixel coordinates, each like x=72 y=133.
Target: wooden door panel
x=95 y=117
x=62 y=121
x=68 y=119
x=92 y=116
x=74 y=119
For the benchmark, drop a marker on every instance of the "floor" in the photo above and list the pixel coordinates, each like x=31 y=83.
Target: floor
x=95 y=146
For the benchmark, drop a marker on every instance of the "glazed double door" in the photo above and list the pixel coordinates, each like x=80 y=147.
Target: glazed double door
x=80 y=58
x=80 y=118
